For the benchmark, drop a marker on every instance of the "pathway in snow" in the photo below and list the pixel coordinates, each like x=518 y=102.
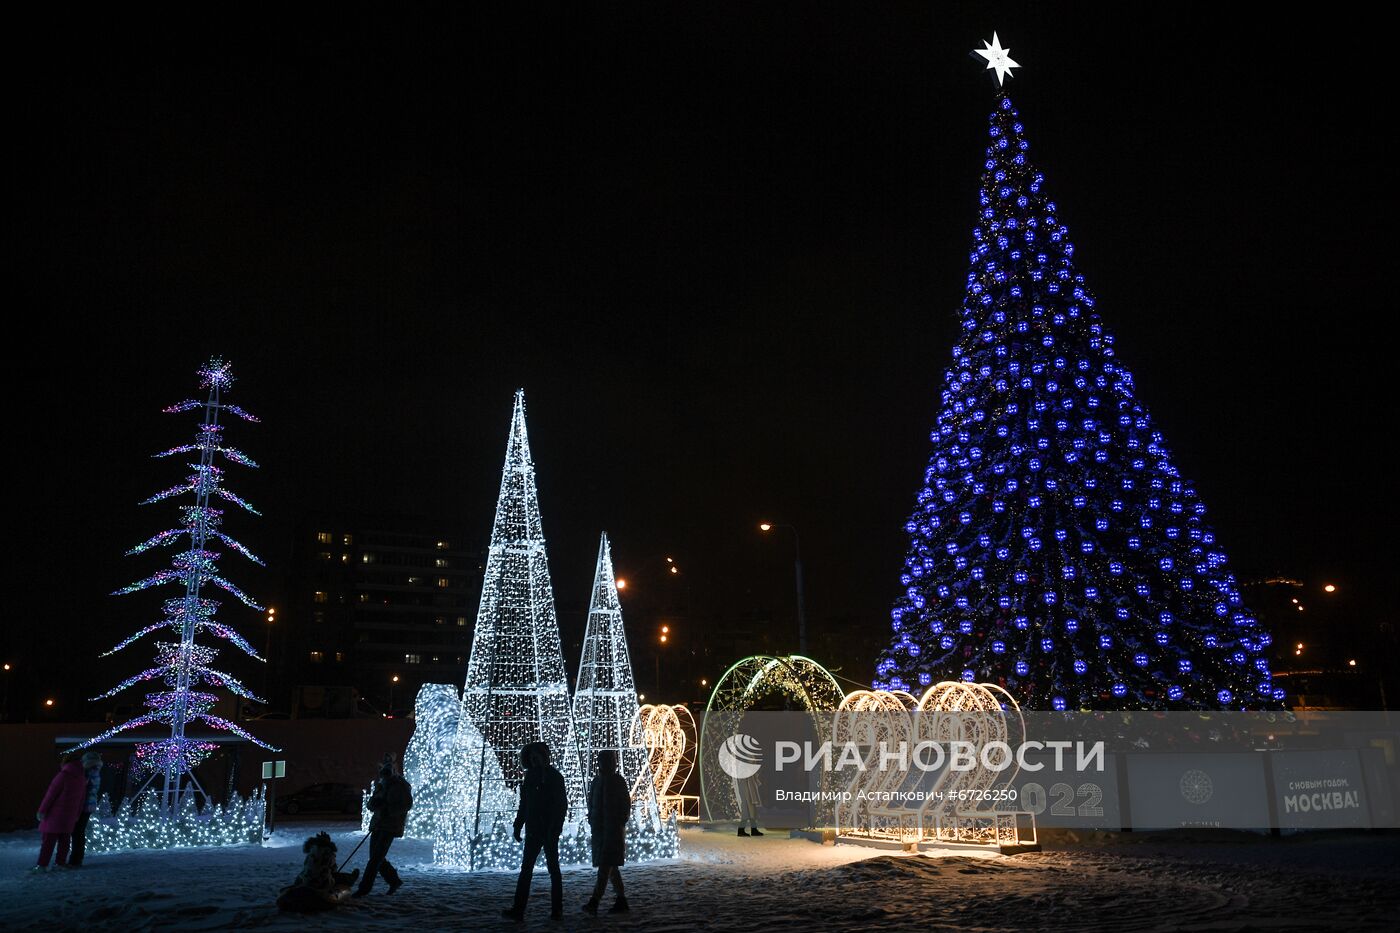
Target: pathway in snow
x=726 y=883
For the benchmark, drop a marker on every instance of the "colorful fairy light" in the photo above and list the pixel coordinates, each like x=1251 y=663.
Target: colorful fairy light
x=183 y=667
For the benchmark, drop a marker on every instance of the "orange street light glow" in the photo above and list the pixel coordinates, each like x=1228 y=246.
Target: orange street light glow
x=1329 y=588
x=765 y=527
x=621 y=583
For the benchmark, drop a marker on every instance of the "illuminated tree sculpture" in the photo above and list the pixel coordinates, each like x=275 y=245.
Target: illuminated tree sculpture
x=184 y=667
x=516 y=692
x=605 y=700
x=1055 y=548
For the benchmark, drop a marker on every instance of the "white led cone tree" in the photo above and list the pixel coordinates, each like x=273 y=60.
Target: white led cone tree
x=516 y=691
x=605 y=700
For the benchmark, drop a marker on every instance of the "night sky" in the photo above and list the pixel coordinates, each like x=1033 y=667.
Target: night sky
x=720 y=245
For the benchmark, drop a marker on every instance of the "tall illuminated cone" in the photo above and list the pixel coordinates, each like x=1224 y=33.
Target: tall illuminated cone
x=1055 y=547
x=516 y=692
x=605 y=701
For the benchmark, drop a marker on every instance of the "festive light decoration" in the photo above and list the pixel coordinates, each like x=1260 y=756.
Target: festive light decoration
x=183 y=666
x=801 y=680
x=1055 y=548
x=143 y=823
x=428 y=761
x=668 y=734
x=942 y=805
x=605 y=700
x=516 y=692
x=998 y=59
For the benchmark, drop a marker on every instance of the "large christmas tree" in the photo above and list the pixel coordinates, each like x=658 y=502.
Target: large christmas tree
x=1055 y=547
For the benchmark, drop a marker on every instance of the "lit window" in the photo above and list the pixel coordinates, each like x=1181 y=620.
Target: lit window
x=347 y=539
x=364 y=597
x=440 y=620
x=443 y=583
x=413 y=659
x=324 y=537
x=441 y=562
x=462 y=620
x=345 y=558
x=320 y=597
x=325 y=555
x=339 y=656
x=443 y=545
x=316 y=657
x=367 y=558
x=414 y=581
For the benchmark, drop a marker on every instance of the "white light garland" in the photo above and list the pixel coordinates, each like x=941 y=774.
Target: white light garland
x=143 y=824
x=605 y=700
x=516 y=692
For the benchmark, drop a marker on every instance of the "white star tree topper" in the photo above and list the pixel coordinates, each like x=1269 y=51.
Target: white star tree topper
x=998 y=59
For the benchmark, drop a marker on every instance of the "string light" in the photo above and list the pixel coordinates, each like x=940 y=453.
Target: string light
x=464 y=757
x=142 y=823
x=605 y=698
x=183 y=666
x=1055 y=548
x=516 y=692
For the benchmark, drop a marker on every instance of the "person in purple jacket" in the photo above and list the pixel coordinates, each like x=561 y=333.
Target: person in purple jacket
x=59 y=811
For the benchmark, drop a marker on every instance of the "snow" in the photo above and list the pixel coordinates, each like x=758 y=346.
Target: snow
x=1138 y=882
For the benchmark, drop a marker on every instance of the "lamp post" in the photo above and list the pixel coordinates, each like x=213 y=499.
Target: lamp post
x=392 y=681
x=663 y=638
x=267 y=657
x=797 y=567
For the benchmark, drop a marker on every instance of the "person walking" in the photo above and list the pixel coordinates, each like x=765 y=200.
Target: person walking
x=390 y=802
x=92 y=770
x=543 y=806
x=609 y=809
x=58 y=813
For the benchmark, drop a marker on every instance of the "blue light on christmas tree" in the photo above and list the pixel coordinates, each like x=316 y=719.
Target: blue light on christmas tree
x=1055 y=548
x=182 y=666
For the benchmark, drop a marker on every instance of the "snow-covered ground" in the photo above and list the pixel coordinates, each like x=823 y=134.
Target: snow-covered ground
x=725 y=883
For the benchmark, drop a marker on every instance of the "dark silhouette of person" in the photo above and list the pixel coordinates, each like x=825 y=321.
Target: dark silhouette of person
x=543 y=806
x=390 y=803
x=609 y=809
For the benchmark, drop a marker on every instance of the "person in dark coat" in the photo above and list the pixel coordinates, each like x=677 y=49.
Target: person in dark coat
x=92 y=769
x=609 y=809
x=58 y=813
x=390 y=802
x=544 y=804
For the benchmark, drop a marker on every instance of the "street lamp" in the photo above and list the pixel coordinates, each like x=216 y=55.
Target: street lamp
x=797 y=567
x=267 y=655
x=392 y=680
x=662 y=638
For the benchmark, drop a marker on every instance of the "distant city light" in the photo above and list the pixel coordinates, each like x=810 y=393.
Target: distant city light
x=1329 y=588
